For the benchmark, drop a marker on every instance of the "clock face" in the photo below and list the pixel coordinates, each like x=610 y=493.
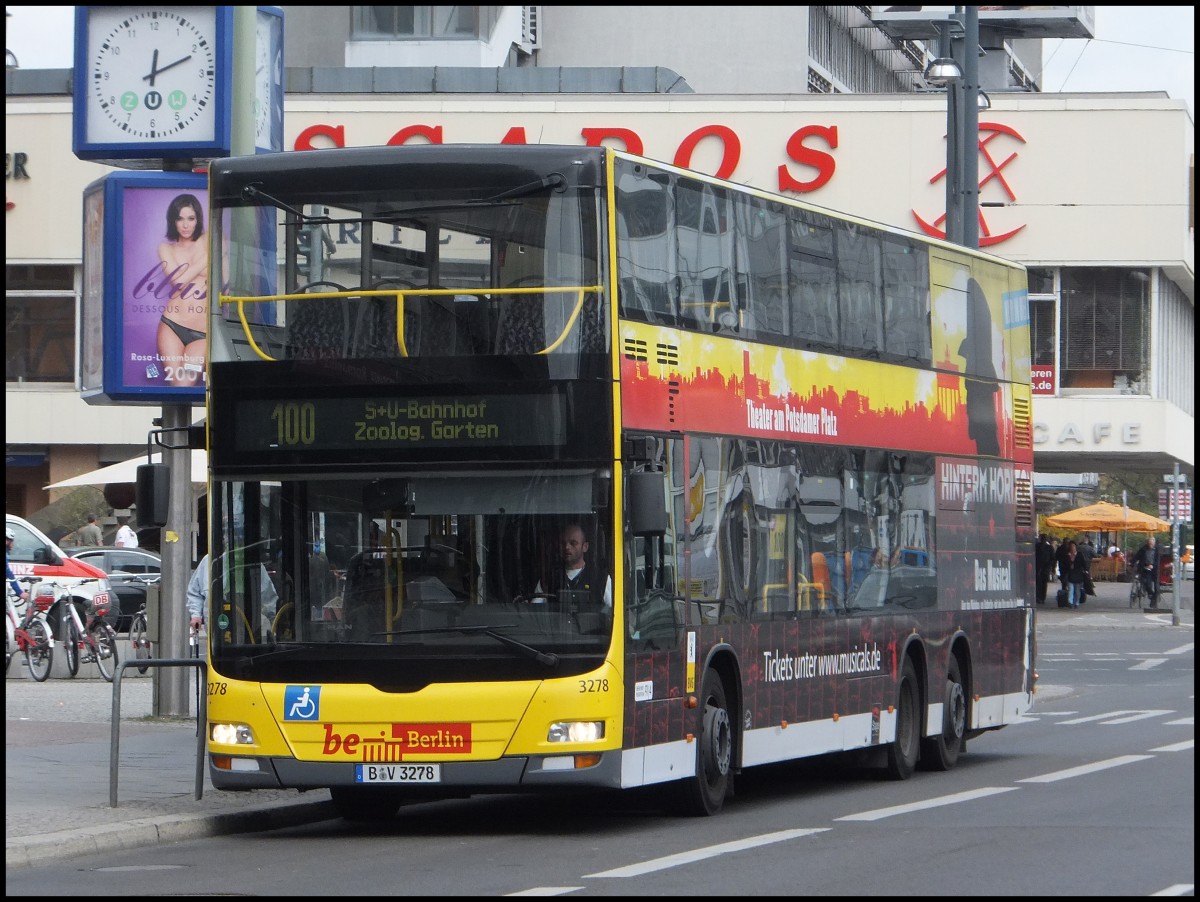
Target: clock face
x=151 y=74
x=268 y=66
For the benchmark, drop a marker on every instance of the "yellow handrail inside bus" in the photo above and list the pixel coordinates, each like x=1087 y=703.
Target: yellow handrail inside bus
x=399 y=295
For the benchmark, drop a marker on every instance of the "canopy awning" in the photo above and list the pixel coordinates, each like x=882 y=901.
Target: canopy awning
x=1106 y=515
x=126 y=471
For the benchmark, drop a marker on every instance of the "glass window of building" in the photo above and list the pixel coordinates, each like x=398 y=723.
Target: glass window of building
x=39 y=320
x=1105 y=329
x=399 y=23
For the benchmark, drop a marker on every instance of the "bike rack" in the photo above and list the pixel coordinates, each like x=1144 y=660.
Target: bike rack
x=201 y=716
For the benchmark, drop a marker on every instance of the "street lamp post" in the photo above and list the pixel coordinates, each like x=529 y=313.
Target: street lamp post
x=968 y=160
x=959 y=73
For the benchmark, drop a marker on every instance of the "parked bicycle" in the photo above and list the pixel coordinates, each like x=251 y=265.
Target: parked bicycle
x=29 y=631
x=139 y=638
x=86 y=639
x=101 y=639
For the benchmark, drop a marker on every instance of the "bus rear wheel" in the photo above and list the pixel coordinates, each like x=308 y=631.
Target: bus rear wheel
x=365 y=803
x=941 y=752
x=902 y=754
x=704 y=794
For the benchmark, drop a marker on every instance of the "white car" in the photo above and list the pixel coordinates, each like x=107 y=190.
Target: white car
x=34 y=554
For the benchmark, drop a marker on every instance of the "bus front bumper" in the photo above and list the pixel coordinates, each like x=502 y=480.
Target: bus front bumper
x=239 y=773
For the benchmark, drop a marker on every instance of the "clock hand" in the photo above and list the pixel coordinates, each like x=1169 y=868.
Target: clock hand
x=156 y=71
x=153 y=69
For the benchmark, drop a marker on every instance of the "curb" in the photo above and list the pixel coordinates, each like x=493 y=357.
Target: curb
x=31 y=851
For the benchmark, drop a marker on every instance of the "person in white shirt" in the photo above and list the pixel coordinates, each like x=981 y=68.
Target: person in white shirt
x=126 y=537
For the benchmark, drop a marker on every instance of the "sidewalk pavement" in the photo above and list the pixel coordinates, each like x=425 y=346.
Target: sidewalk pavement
x=58 y=740
x=1109 y=608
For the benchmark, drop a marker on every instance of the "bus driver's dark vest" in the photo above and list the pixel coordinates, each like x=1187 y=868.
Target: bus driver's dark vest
x=586 y=581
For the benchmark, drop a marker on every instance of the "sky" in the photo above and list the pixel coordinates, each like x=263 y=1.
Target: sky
x=1149 y=48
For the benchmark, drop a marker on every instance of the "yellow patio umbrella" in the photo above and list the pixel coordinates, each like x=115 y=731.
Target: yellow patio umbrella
x=1104 y=515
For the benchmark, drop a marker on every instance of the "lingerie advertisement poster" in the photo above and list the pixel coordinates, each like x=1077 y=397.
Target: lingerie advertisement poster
x=153 y=265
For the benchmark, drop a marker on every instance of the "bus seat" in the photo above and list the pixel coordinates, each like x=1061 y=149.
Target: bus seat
x=521 y=327
x=860 y=565
x=820 y=576
x=449 y=325
x=318 y=329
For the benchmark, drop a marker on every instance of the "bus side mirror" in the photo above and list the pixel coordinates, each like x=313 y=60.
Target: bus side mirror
x=153 y=494
x=646 y=497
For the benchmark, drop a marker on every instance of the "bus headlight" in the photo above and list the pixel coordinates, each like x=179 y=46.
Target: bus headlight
x=576 y=731
x=231 y=733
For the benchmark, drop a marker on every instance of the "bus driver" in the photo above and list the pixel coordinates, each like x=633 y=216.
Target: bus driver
x=577 y=574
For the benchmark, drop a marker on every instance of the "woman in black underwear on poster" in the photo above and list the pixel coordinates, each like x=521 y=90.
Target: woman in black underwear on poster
x=184 y=259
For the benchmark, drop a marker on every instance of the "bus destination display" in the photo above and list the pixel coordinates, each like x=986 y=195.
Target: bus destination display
x=342 y=424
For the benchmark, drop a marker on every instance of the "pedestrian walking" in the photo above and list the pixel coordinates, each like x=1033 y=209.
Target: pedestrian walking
x=89 y=534
x=126 y=537
x=1044 y=558
x=1073 y=572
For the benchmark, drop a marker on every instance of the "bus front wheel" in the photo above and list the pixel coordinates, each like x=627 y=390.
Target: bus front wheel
x=705 y=793
x=362 y=803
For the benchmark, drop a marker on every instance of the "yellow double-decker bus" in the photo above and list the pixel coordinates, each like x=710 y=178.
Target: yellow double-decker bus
x=574 y=469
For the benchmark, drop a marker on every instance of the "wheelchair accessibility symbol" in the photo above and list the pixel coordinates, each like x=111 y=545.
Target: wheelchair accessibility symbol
x=302 y=703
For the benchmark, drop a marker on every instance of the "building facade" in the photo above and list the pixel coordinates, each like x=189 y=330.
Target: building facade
x=1094 y=193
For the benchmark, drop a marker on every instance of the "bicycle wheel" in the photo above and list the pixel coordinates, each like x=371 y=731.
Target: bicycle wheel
x=139 y=640
x=39 y=653
x=104 y=638
x=70 y=641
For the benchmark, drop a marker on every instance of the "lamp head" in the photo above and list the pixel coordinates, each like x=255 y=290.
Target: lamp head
x=942 y=71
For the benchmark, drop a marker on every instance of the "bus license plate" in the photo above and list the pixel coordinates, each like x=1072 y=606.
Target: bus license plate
x=397 y=773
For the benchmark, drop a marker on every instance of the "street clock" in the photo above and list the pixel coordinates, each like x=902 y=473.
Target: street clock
x=152 y=83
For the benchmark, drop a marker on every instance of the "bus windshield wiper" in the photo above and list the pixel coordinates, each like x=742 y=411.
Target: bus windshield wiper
x=542 y=657
x=253 y=192
x=554 y=180
x=294 y=648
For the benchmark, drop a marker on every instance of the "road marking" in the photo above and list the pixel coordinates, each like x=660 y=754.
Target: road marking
x=1181 y=650
x=1112 y=717
x=674 y=861
x=1177 y=746
x=1148 y=663
x=1182 y=722
x=1092 y=768
x=1177 y=889
x=1142 y=715
x=547 y=891
x=880 y=813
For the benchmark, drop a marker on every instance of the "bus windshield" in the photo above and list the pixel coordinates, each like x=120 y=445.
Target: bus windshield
x=401 y=581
